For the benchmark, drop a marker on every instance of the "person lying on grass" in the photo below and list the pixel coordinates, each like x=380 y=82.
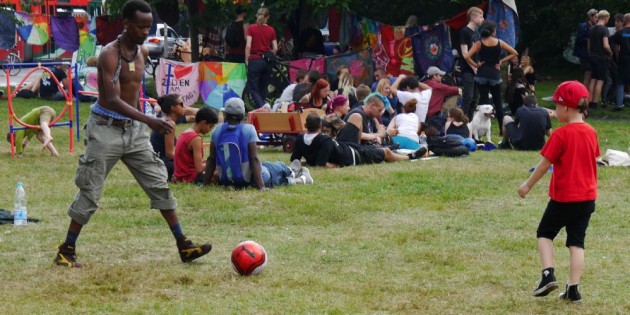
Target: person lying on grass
x=321 y=150
x=40 y=116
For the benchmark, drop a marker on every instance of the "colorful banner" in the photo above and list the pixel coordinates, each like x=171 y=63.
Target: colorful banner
x=65 y=32
x=364 y=33
x=7 y=30
x=432 y=48
x=404 y=54
x=34 y=29
x=506 y=20
x=219 y=81
x=180 y=78
x=318 y=65
x=389 y=36
x=87 y=38
x=360 y=64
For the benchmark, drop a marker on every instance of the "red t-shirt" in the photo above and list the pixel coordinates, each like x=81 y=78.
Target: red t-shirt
x=262 y=36
x=439 y=91
x=184 y=168
x=573 y=149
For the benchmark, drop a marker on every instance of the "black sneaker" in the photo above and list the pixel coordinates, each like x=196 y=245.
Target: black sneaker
x=67 y=257
x=188 y=251
x=418 y=154
x=546 y=284
x=571 y=294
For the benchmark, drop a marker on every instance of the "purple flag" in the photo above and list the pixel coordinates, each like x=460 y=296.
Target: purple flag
x=65 y=32
x=432 y=48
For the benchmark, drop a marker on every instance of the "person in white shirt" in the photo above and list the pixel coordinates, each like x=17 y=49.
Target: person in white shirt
x=408 y=87
x=405 y=126
x=287 y=93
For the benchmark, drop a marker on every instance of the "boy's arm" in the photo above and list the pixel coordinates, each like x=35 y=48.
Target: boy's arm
x=210 y=165
x=255 y=166
x=394 y=87
x=539 y=171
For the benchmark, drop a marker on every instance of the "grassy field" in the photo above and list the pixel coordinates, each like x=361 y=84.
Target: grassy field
x=441 y=236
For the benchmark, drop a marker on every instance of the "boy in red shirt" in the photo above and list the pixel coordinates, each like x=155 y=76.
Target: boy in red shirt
x=572 y=149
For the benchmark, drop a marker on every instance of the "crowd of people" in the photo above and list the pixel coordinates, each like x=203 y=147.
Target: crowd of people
x=604 y=55
x=361 y=125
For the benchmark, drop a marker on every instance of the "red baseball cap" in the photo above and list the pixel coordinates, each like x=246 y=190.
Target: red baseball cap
x=569 y=93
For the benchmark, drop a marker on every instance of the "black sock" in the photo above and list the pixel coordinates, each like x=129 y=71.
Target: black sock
x=71 y=238
x=177 y=231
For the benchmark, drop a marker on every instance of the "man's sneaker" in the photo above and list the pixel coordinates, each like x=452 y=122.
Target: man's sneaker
x=67 y=257
x=571 y=294
x=296 y=167
x=306 y=176
x=419 y=153
x=546 y=284
x=188 y=251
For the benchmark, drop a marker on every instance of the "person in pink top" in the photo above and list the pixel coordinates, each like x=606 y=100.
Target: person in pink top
x=189 y=162
x=260 y=44
x=572 y=150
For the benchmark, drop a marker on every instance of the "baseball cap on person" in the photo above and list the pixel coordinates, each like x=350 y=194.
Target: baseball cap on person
x=570 y=93
x=234 y=106
x=435 y=70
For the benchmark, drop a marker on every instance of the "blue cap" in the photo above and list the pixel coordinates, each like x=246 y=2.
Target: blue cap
x=19 y=184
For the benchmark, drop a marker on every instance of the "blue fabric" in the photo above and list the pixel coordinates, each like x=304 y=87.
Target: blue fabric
x=406 y=143
x=506 y=20
x=275 y=173
x=98 y=109
x=7 y=29
x=432 y=48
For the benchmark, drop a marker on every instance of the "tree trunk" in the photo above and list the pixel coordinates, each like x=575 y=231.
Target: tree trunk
x=193 y=16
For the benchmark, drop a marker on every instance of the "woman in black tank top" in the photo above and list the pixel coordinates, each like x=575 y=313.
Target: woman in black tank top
x=488 y=77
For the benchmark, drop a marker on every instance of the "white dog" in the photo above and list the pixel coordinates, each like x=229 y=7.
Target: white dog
x=482 y=122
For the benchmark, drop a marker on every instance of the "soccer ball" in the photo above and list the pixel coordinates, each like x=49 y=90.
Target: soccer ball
x=249 y=258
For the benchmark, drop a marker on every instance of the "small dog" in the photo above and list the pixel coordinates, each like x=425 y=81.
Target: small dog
x=482 y=122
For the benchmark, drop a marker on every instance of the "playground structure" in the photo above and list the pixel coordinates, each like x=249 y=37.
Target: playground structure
x=67 y=96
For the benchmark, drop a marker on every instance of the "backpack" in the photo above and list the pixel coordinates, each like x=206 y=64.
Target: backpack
x=232 y=156
x=449 y=145
x=232 y=35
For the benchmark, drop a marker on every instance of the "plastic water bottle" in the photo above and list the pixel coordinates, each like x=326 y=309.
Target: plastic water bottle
x=19 y=206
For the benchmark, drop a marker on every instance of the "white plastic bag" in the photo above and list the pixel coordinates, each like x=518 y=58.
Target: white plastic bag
x=616 y=158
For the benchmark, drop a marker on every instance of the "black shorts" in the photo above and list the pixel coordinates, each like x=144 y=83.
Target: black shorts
x=599 y=67
x=369 y=154
x=572 y=215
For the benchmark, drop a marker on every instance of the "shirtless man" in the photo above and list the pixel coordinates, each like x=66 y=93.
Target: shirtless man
x=116 y=130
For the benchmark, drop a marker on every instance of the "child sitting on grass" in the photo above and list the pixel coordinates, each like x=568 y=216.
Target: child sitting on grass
x=189 y=163
x=572 y=149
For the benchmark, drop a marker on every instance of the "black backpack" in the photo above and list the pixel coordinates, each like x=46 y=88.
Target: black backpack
x=446 y=146
x=232 y=35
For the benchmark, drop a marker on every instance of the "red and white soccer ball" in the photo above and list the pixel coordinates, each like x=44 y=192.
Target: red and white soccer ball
x=249 y=258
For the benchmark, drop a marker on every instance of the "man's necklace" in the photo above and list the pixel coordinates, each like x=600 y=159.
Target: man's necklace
x=131 y=61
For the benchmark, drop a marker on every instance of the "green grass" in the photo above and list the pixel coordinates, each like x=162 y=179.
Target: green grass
x=426 y=237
